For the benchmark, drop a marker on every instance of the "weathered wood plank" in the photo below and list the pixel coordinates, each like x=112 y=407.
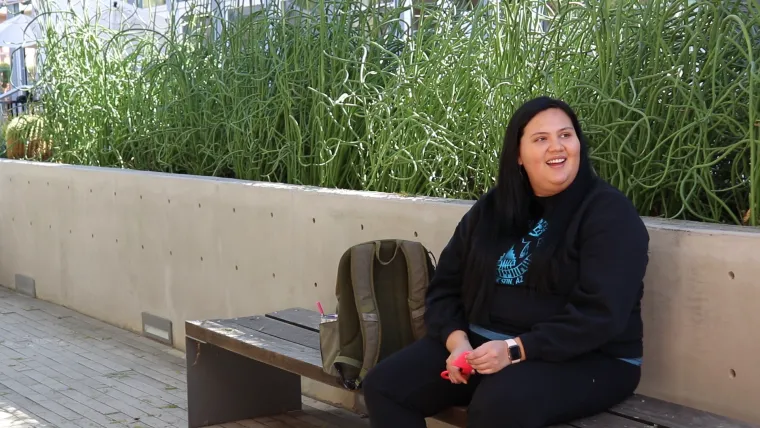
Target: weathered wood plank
x=250 y=423
x=291 y=421
x=671 y=415
x=299 y=317
x=281 y=329
x=311 y=416
x=272 y=423
x=607 y=420
x=262 y=347
x=458 y=416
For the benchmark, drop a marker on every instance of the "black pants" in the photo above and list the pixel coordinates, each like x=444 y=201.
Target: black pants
x=406 y=387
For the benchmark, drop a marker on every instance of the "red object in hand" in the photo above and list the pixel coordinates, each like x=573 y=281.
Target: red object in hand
x=463 y=365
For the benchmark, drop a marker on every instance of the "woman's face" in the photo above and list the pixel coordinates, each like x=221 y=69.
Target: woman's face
x=550 y=152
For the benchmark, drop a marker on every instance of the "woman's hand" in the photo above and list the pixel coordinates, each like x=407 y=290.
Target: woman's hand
x=455 y=375
x=490 y=357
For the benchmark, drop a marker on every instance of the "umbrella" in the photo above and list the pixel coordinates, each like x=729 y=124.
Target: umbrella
x=17 y=33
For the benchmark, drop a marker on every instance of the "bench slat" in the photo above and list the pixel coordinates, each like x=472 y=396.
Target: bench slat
x=607 y=420
x=458 y=416
x=280 y=329
x=672 y=415
x=305 y=318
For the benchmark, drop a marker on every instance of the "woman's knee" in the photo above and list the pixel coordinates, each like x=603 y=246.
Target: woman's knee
x=393 y=374
x=406 y=373
x=373 y=383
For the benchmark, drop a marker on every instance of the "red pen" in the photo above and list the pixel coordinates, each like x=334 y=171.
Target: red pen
x=319 y=308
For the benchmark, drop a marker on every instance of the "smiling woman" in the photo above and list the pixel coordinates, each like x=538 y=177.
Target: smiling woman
x=550 y=152
x=538 y=291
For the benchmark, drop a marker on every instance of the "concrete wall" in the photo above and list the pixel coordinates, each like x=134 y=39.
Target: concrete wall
x=112 y=244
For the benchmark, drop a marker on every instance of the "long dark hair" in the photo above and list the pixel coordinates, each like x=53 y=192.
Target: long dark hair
x=510 y=209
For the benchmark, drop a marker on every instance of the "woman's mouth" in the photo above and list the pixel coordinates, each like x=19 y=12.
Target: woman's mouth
x=556 y=162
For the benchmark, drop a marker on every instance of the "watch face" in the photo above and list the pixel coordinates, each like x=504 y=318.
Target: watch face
x=514 y=353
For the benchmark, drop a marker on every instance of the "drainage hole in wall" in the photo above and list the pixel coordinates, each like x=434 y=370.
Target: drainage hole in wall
x=114 y=193
x=48 y=183
x=273 y=275
x=271 y=215
x=169 y=200
x=362 y=227
x=28 y=182
x=236 y=267
x=201 y=258
x=142 y=246
x=731 y=274
x=233 y=210
x=415 y=234
x=69 y=231
x=117 y=241
x=732 y=373
x=315 y=284
x=68 y=187
x=93 y=235
x=140 y=196
x=90 y=190
x=313 y=220
x=50 y=226
x=30 y=223
x=199 y=205
x=170 y=253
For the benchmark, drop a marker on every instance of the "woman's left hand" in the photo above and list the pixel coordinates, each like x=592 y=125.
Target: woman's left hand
x=490 y=357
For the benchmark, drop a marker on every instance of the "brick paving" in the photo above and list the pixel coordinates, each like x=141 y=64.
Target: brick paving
x=59 y=368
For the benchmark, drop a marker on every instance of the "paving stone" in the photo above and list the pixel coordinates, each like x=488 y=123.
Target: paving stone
x=61 y=369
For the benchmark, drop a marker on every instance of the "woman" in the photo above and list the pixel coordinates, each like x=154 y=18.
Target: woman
x=542 y=283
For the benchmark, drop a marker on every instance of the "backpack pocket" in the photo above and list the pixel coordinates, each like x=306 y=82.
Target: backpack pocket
x=329 y=342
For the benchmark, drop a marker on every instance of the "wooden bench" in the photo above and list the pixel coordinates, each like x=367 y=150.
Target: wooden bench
x=244 y=368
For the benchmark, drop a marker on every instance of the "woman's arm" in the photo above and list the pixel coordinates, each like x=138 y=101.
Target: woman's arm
x=613 y=259
x=445 y=313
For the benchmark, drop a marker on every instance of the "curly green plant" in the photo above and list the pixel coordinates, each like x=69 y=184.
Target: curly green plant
x=335 y=93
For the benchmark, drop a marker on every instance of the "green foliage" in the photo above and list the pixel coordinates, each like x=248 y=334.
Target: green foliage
x=5 y=72
x=668 y=92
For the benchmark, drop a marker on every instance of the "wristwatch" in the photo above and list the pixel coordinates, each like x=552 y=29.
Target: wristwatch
x=515 y=355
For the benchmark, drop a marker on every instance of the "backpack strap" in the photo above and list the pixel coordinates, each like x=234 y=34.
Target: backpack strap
x=362 y=270
x=346 y=361
x=417 y=268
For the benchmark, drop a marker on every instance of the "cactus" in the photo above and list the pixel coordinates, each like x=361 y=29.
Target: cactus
x=24 y=138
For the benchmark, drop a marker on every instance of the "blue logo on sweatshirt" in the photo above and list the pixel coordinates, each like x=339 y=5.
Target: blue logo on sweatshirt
x=514 y=263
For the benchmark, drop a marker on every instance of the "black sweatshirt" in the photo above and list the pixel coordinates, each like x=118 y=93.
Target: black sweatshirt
x=596 y=304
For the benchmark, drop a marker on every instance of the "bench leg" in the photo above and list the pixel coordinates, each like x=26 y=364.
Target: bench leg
x=223 y=386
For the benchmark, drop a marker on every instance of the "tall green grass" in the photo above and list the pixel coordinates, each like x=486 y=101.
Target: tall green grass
x=338 y=94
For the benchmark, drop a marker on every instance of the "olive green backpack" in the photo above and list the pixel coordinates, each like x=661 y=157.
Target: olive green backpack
x=381 y=288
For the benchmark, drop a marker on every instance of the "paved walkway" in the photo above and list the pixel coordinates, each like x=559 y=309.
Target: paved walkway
x=59 y=368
